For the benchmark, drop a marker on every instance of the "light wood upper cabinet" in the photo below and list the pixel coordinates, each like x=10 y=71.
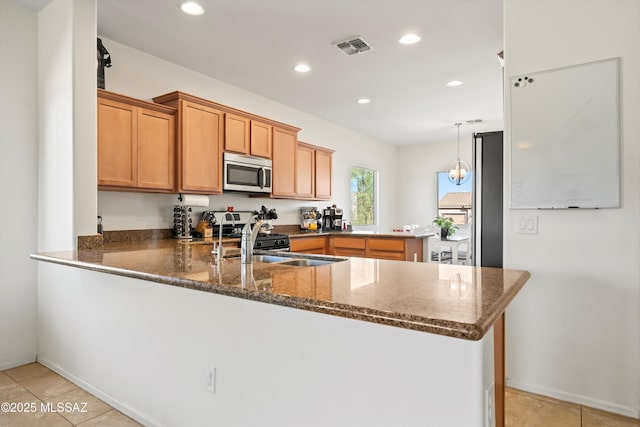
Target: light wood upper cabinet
x=156 y=150
x=313 y=172
x=136 y=144
x=323 y=173
x=200 y=148
x=117 y=146
x=246 y=136
x=200 y=142
x=284 y=163
x=305 y=171
x=236 y=134
x=261 y=139
x=206 y=129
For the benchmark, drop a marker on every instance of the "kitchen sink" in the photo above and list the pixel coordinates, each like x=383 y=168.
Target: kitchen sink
x=270 y=258
x=293 y=261
x=306 y=262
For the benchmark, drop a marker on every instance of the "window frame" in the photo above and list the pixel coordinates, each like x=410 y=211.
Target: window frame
x=376 y=189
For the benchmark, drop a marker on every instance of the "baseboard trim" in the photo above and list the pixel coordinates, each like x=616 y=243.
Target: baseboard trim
x=10 y=365
x=110 y=400
x=578 y=399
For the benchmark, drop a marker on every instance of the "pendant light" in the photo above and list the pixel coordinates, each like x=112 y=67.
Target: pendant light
x=459 y=170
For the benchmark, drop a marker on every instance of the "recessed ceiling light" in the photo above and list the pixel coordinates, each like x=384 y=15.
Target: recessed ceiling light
x=364 y=101
x=410 y=39
x=454 y=83
x=302 y=68
x=191 y=8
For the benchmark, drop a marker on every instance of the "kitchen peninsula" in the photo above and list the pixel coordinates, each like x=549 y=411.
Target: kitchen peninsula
x=354 y=342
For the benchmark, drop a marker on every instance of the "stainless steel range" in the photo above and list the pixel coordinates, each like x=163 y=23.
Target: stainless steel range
x=272 y=242
x=231 y=224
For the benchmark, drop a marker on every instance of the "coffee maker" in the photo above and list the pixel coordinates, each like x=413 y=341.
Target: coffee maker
x=332 y=219
x=337 y=219
x=327 y=219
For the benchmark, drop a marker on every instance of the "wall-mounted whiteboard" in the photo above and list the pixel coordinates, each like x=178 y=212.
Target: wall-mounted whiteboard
x=565 y=137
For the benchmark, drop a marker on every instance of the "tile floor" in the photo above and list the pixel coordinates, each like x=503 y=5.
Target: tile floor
x=36 y=384
x=533 y=410
x=52 y=401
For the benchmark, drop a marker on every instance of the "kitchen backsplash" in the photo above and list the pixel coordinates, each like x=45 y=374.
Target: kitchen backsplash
x=139 y=211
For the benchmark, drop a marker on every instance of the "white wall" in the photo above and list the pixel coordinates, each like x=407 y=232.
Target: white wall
x=18 y=183
x=85 y=149
x=574 y=331
x=417 y=182
x=67 y=123
x=146 y=348
x=55 y=189
x=144 y=76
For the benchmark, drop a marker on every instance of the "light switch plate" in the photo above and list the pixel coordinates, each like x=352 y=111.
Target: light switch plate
x=527 y=224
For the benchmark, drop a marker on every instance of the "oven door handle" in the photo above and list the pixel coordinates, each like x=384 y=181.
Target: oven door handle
x=262 y=177
x=285 y=249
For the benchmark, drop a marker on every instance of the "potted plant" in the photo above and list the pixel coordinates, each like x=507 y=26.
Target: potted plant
x=446 y=226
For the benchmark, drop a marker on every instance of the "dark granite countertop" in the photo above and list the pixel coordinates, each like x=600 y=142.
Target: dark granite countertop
x=451 y=300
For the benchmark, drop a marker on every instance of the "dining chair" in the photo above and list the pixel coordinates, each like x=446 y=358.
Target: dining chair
x=436 y=251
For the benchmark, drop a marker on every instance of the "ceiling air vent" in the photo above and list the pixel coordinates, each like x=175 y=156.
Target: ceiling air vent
x=354 y=45
x=471 y=122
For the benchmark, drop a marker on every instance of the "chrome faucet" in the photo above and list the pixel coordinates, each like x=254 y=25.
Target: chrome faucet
x=248 y=239
x=219 y=251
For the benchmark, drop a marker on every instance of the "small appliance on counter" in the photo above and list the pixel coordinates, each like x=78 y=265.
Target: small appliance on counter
x=332 y=219
x=310 y=219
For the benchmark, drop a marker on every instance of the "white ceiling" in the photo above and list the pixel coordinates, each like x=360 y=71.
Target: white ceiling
x=254 y=44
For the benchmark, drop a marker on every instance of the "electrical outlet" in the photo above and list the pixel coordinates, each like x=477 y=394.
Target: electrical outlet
x=210 y=379
x=490 y=406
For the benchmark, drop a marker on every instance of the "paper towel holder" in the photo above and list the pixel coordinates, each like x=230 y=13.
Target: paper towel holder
x=193 y=200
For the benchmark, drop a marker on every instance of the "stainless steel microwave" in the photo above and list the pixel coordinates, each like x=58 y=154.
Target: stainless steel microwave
x=246 y=173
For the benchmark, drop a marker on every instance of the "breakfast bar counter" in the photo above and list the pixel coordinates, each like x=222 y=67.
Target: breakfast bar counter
x=355 y=342
x=456 y=301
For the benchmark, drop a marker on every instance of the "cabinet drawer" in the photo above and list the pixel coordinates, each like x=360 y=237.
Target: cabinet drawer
x=345 y=242
x=348 y=252
x=315 y=251
x=389 y=245
x=308 y=244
